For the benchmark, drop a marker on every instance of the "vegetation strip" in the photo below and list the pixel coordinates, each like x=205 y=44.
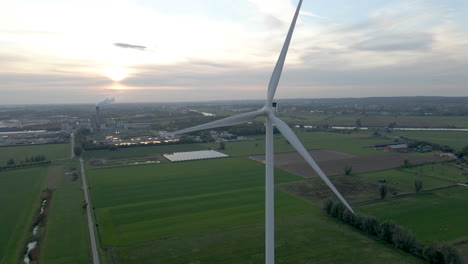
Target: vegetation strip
x=395 y=235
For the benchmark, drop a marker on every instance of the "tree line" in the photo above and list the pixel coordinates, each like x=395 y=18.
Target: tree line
x=395 y=235
x=32 y=159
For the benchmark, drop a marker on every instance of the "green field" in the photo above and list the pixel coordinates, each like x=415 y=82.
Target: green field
x=351 y=143
x=156 y=201
x=442 y=171
x=433 y=216
x=455 y=140
x=377 y=120
x=51 y=151
x=212 y=211
x=147 y=152
x=19 y=199
x=432 y=175
x=66 y=237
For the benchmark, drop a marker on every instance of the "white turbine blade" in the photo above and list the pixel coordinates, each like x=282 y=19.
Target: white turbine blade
x=292 y=138
x=275 y=77
x=228 y=121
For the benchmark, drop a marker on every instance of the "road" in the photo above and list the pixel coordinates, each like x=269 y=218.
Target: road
x=90 y=218
x=72 y=140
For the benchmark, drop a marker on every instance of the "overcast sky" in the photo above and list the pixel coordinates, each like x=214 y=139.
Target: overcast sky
x=199 y=50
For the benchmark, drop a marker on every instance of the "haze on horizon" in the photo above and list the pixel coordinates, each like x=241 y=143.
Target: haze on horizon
x=160 y=51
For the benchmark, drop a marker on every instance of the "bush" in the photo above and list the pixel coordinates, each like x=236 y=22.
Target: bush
x=451 y=255
x=328 y=206
x=371 y=225
x=403 y=238
x=386 y=230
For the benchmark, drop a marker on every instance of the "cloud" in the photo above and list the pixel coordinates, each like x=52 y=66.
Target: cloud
x=397 y=42
x=129 y=46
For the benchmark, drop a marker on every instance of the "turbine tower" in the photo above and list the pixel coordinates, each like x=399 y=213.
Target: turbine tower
x=271 y=120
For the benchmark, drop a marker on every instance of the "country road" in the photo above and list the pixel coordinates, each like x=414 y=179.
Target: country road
x=90 y=218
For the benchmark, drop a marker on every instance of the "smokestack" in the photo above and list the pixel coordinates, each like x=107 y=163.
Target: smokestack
x=98 y=117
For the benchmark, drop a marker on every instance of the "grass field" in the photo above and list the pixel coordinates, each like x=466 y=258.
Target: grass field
x=147 y=152
x=66 y=237
x=378 y=120
x=19 y=199
x=350 y=143
x=155 y=201
x=434 y=216
x=309 y=237
x=432 y=175
x=51 y=151
x=455 y=140
x=212 y=212
x=441 y=171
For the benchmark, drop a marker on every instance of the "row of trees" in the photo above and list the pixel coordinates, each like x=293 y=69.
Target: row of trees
x=32 y=159
x=395 y=235
x=24 y=165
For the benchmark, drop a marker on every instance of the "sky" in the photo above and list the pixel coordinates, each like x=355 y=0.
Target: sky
x=58 y=51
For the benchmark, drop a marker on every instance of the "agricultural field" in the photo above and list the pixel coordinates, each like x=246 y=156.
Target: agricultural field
x=212 y=212
x=439 y=215
x=66 y=236
x=19 y=196
x=18 y=153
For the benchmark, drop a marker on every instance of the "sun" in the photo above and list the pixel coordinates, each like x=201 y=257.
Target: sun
x=116 y=74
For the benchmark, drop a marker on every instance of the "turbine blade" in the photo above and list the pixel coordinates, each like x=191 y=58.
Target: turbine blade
x=228 y=121
x=275 y=77
x=292 y=138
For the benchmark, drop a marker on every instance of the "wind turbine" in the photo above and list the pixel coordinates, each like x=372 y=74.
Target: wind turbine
x=271 y=120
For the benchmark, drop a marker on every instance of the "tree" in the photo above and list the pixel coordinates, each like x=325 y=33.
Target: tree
x=11 y=162
x=464 y=152
x=383 y=190
x=222 y=145
x=358 y=123
x=77 y=150
x=347 y=170
x=392 y=125
x=417 y=183
x=406 y=164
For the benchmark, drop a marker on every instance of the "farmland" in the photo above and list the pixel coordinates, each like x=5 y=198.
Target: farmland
x=19 y=196
x=51 y=151
x=212 y=211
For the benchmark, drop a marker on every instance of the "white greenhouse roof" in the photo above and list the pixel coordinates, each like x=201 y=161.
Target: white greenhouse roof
x=194 y=155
